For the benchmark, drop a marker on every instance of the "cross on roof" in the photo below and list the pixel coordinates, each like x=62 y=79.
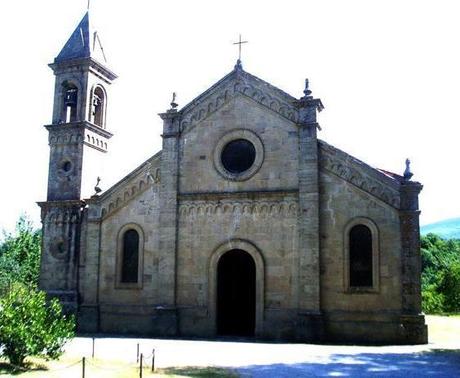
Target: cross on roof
x=239 y=43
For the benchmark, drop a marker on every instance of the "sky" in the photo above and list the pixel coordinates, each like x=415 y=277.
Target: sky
x=388 y=73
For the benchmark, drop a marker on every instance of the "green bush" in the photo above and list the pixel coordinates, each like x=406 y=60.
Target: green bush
x=432 y=301
x=31 y=326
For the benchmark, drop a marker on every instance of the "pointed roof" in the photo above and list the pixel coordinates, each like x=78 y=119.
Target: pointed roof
x=83 y=43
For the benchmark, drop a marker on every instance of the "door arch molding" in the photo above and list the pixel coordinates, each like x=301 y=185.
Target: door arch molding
x=256 y=255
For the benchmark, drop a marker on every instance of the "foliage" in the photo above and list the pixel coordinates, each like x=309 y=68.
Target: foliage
x=450 y=284
x=432 y=300
x=20 y=256
x=31 y=326
x=440 y=274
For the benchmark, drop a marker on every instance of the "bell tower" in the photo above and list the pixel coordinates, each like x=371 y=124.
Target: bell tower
x=79 y=114
x=78 y=138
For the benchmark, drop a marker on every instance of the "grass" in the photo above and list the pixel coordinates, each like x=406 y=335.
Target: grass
x=40 y=368
x=193 y=371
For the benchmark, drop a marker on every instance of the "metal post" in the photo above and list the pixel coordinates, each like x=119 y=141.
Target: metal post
x=140 y=365
x=92 y=354
x=137 y=355
x=83 y=367
x=153 y=360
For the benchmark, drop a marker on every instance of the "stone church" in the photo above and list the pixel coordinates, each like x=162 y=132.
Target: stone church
x=244 y=224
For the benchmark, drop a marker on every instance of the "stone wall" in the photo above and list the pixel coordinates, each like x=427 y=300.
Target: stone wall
x=352 y=315
x=107 y=305
x=278 y=136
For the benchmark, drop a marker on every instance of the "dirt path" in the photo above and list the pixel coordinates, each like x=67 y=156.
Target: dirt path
x=439 y=358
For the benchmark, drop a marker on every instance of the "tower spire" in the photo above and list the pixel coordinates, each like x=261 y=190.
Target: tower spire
x=84 y=42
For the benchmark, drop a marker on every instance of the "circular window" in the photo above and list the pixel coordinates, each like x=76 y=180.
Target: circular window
x=58 y=249
x=67 y=166
x=238 y=155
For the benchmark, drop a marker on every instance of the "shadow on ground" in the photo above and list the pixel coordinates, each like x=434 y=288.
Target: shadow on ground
x=435 y=363
x=199 y=372
x=7 y=368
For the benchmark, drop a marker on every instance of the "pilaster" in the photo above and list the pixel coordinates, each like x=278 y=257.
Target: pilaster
x=168 y=209
x=410 y=241
x=308 y=217
x=89 y=268
x=413 y=328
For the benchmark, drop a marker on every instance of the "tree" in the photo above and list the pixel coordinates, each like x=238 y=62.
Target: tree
x=440 y=274
x=450 y=284
x=20 y=255
x=31 y=326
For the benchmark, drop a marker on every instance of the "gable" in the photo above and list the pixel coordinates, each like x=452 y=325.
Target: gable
x=238 y=82
x=146 y=176
x=359 y=174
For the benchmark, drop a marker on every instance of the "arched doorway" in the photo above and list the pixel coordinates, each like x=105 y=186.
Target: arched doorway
x=236 y=294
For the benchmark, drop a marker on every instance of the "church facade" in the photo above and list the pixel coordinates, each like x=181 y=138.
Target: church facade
x=244 y=224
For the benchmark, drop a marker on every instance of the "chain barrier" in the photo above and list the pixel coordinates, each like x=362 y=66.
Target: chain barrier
x=66 y=367
x=149 y=358
x=141 y=359
x=109 y=368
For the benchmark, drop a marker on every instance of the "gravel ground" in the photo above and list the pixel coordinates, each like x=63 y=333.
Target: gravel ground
x=440 y=358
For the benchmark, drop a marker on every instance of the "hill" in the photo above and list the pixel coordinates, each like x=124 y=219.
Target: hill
x=448 y=228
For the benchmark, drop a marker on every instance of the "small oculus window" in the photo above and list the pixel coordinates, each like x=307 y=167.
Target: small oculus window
x=66 y=166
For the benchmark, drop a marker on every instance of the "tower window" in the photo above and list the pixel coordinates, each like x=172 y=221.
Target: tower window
x=360 y=247
x=98 y=106
x=70 y=102
x=66 y=166
x=130 y=257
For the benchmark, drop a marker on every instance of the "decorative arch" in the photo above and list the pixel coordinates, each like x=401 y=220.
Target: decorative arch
x=119 y=258
x=375 y=254
x=256 y=255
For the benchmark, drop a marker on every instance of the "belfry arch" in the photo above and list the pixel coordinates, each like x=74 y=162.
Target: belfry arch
x=98 y=106
x=241 y=247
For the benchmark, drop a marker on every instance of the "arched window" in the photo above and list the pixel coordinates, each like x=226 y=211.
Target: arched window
x=361 y=256
x=70 y=92
x=360 y=248
x=98 y=106
x=130 y=257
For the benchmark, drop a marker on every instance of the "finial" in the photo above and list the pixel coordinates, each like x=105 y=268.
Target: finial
x=174 y=105
x=238 y=65
x=89 y=5
x=97 y=189
x=307 y=91
x=407 y=173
